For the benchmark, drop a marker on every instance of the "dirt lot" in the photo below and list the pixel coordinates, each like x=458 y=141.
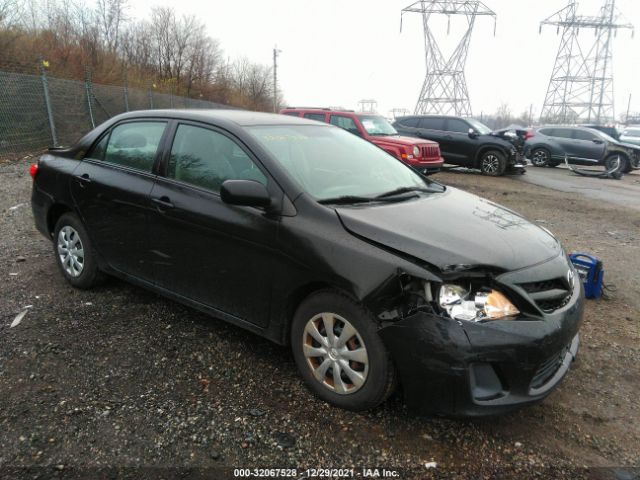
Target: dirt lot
x=119 y=377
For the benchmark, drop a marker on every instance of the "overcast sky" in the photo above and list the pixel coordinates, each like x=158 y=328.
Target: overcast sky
x=337 y=52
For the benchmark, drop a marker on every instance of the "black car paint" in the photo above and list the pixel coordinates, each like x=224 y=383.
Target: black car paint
x=297 y=246
x=462 y=148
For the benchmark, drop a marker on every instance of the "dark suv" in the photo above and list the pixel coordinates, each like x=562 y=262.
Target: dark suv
x=468 y=143
x=548 y=146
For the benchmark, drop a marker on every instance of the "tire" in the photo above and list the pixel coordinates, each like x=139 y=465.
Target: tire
x=493 y=163
x=370 y=377
x=611 y=160
x=74 y=253
x=540 y=157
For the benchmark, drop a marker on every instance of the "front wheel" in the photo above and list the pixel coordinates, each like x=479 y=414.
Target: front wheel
x=493 y=163
x=74 y=252
x=617 y=162
x=339 y=353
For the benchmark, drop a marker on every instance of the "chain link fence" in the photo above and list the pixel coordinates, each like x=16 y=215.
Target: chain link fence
x=39 y=111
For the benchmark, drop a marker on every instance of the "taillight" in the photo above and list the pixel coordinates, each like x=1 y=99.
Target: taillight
x=33 y=170
x=529 y=134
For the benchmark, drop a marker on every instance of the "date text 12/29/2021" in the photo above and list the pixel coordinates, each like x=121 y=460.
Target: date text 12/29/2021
x=312 y=473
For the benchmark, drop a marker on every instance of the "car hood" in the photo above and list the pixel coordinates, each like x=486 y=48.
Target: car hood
x=400 y=140
x=453 y=230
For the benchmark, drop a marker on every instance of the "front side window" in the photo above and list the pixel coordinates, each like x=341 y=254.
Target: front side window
x=344 y=122
x=478 y=126
x=632 y=132
x=377 y=126
x=205 y=158
x=132 y=145
x=583 y=135
x=457 y=126
x=330 y=163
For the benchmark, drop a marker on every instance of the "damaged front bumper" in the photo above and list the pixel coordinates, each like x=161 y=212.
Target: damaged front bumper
x=459 y=368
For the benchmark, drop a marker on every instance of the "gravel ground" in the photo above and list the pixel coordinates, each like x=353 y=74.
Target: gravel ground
x=120 y=378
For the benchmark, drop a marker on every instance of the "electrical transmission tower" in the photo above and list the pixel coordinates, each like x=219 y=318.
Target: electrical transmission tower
x=581 y=86
x=445 y=87
x=368 y=105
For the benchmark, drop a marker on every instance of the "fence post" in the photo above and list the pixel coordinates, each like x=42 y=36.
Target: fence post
x=87 y=87
x=126 y=94
x=47 y=101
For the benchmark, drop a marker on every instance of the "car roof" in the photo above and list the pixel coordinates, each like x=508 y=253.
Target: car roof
x=243 y=118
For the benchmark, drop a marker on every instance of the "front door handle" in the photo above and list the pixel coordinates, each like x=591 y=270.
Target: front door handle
x=83 y=179
x=163 y=202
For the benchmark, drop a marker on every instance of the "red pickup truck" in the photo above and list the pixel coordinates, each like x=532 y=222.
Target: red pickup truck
x=423 y=155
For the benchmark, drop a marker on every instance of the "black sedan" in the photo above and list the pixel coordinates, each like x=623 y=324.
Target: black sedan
x=317 y=239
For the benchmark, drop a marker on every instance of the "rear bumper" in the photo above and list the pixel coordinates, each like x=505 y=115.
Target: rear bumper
x=464 y=369
x=40 y=205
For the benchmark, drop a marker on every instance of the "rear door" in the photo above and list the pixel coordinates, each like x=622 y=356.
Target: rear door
x=461 y=146
x=564 y=138
x=216 y=254
x=111 y=189
x=588 y=145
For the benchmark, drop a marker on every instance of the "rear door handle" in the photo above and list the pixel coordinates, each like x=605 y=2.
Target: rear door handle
x=163 y=202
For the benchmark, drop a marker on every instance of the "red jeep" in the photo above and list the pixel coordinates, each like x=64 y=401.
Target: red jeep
x=423 y=155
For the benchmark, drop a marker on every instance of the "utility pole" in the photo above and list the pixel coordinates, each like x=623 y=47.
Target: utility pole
x=626 y=119
x=276 y=52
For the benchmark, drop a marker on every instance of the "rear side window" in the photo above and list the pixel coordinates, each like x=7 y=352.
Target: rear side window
x=547 y=131
x=458 y=126
x=409 y=122
x=315 y=116
x=563 y=132
x=431 y=123
x=206 y=159
x=132 y=145
x=344 y=122
x=582 y=135
x=292 y=114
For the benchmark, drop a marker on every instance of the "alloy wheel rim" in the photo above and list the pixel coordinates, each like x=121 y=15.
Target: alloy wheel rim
x=490 y=164
x=539 y=158
x=70 y=251
x=335 y=353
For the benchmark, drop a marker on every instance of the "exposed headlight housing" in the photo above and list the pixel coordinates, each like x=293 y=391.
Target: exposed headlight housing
x=416 y=152
x=484 y=306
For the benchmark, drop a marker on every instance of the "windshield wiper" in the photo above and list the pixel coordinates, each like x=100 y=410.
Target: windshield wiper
x=346 y=200
x=401 y=190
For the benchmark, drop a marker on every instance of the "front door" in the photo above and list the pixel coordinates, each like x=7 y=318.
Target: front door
x=111 y=189
x=216 y=254
x=588 y=146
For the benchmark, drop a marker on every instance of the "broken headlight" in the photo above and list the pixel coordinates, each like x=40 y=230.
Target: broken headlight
x=483 y=305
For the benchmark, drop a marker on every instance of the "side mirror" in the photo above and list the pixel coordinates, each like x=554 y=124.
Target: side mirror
x=246 y=193
x=473 y=133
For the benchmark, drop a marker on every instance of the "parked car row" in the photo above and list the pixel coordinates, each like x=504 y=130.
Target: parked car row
x=426 y=142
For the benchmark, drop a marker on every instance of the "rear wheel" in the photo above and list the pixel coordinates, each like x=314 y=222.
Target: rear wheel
x=541 y=157
x=74 y=252
x=493 y=163
x=339 y=353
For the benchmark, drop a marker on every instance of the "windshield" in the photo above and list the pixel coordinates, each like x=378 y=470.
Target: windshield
x=632 y=132
x=377 y=126
x=479 y=127
x=330 y=163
